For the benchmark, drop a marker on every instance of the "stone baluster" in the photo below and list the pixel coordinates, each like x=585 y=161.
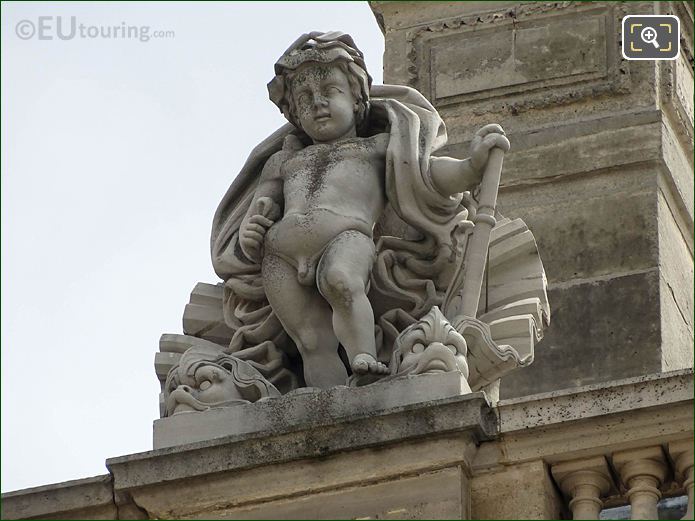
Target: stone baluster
x=642 y=471
x=584 y=481
x=682 y=454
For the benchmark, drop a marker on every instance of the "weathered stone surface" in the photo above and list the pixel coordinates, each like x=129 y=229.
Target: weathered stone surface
x=195 y=480
x=593 y=420
x=89 y=498
x=676 y=90
x=317 y=437
x=678 y=162
x=591 y=339
x=586 y=423
x=310 y=408
x=439 y=494
x=207 y=378
x=642 y=472
x=595 y=154
x=432 y=460
x=676 y=285
x=510 y=59
x=582 y=232
x=521 y=492
x=528 y=102
x=676 y=334
x=602 y=172
x=595 y=400
x=580 y=148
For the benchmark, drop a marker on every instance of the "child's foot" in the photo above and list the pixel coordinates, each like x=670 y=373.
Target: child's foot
x=364 y=363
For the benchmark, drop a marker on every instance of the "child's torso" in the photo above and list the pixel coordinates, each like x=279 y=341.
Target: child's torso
x=346 y=178
x=329 y=189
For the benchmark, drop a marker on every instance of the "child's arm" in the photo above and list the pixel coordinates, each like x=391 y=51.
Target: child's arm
x=451 y=176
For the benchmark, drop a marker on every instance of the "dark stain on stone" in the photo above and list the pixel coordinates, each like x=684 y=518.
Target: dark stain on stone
x=318 y=163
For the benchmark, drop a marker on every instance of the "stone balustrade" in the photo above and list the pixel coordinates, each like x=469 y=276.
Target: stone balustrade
x=585 y=482
x=623 y=445
x=681 y=453
x=642 y=472
x=637 y=476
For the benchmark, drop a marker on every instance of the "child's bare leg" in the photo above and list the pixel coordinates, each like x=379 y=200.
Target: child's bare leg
x=342 y=276
x=306 y=317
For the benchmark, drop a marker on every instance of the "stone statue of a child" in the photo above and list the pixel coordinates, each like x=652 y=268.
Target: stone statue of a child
x=310 y=223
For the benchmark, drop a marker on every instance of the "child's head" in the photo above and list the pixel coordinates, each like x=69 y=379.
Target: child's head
x=317 y=79
x=324 y=100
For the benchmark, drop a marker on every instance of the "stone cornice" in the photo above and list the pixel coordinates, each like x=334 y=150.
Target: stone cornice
x=462 y=414
x=88 y=498
x=581 y=403
x=593 y=420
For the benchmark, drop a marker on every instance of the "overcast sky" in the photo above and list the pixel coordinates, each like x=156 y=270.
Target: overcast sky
x=115 y=153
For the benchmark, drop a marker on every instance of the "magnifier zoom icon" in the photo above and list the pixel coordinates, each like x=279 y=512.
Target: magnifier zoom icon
x=648 y=35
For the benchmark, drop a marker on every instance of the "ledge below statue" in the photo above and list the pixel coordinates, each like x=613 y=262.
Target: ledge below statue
x=308 y=408
x=455 y=458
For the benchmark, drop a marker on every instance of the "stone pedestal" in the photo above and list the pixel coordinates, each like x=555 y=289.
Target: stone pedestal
x=307 y=408
x=408 y=462
x=600 y=167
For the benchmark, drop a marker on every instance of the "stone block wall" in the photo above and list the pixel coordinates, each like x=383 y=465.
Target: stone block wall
x=600 y=167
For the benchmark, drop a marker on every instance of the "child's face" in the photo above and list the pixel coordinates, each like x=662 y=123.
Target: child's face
x=324 y=103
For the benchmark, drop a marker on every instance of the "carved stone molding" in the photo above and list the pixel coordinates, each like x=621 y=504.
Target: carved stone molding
x=684 y=11
x=676 y=76
x=586 y=60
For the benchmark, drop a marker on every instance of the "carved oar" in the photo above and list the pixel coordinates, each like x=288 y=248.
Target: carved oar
x=475 y=257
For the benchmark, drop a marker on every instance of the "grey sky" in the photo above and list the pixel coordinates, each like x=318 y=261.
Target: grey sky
x=115 y=153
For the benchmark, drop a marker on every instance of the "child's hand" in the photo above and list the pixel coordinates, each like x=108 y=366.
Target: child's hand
x=253 y=232
x=485 y=139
